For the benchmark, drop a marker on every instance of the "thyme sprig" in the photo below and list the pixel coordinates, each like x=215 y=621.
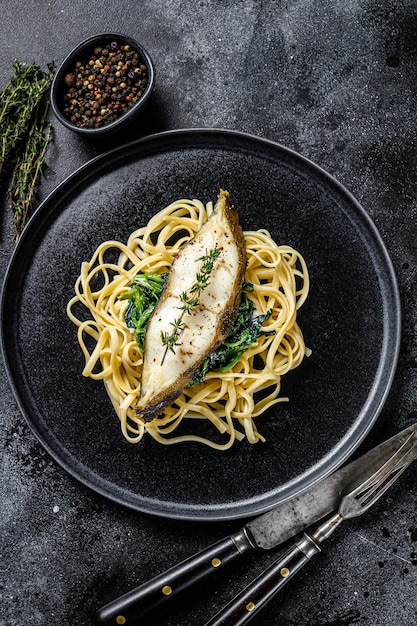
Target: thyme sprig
x=24 y=136
x=27 y=170
x=143 y=296
x=190 y=301
x=19 y=102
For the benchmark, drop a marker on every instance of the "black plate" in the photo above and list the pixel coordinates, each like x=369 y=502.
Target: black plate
x=351 y=321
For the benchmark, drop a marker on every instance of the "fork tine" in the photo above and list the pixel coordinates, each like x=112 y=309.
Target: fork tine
x=395 y=460
x=368 y=492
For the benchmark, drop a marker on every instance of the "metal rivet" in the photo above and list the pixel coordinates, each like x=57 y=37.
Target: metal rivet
x=284 y=572
x=216 y=562
x=120 y=619
x=167 y=590
x=250 y=606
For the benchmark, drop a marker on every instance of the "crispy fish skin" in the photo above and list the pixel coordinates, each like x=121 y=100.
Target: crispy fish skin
x=165 y=374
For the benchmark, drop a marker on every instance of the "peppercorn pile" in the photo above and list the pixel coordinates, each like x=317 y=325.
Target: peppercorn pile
x=104 y=86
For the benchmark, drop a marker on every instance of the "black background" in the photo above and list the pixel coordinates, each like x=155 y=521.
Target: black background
x=335 y=81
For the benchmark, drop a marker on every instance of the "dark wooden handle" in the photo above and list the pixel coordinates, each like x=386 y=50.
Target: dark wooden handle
x=256 y=595
x=131 y=607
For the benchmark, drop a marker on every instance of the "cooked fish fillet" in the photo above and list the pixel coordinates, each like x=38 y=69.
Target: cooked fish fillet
x=165 y=374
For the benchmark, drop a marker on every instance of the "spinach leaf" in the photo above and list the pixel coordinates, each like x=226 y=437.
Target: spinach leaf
x=244 y=334
x=143 y=296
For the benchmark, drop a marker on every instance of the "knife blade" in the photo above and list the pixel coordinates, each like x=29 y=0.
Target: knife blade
x=266 y=532
x=288 y=519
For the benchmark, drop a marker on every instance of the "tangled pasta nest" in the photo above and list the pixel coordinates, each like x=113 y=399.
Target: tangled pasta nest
x=230 y=402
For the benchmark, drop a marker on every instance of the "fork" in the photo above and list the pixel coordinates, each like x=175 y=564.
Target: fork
x=354 y=503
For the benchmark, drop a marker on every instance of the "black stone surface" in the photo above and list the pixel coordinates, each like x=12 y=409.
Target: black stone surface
x=335 y=81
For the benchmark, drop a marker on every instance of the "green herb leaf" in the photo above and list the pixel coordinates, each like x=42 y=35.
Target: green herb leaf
x=244 y=335
x=143 y=296
x=24 y=136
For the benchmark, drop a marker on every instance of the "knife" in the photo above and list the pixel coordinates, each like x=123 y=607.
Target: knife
x=266 y=532
x=355 y=502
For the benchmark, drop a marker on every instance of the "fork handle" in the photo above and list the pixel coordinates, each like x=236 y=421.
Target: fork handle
x=257 y=594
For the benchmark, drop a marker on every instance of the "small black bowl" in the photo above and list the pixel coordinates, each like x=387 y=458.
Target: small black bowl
x=82 y=52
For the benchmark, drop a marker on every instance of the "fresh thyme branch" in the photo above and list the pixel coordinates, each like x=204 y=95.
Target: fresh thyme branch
x=190 y=301
x=24 y=136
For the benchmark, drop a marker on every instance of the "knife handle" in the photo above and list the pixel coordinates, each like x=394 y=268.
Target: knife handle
x=156 y=593
x=258 y=593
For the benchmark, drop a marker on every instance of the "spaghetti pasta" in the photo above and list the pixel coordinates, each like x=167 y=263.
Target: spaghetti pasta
x=229 y=402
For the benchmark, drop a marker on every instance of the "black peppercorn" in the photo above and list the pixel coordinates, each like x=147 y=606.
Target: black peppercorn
x=103 y=85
